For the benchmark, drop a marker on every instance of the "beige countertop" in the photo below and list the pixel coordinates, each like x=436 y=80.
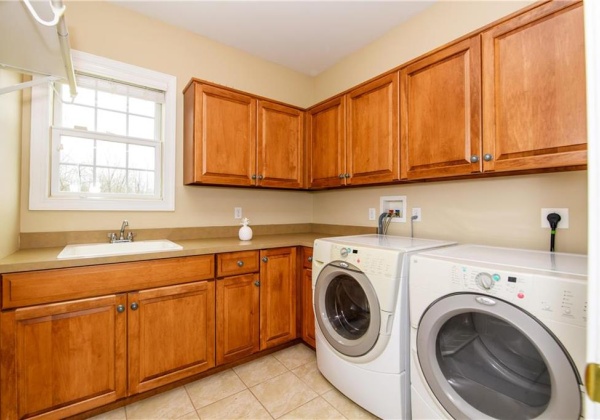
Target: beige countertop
x=46 y=258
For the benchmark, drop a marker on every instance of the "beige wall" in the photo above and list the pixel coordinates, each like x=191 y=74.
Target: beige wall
x=494 y=211
x=107 y=30
x=10 y=150
x=438 y=25
x=466 y=211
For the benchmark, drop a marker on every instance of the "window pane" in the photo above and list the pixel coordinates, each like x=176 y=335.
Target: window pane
x=75 y=178
x=142 y=107
x=80 y=116
x=111 y=180
x=76 y=150
x=112 y=122
x=142 y=127
x=141 y=182
x=141 y=157
x=111 y=154
x=112 y=101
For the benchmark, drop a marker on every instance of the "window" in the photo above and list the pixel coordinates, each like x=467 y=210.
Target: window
x=112 y=147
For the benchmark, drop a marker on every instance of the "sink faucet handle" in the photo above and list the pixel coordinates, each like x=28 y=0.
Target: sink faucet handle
x=130 y=236
x=112 y=237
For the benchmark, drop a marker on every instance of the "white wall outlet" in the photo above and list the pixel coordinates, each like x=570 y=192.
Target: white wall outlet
x=237 y=212
x=564 y=217
x=416 y=211
x=372 y=214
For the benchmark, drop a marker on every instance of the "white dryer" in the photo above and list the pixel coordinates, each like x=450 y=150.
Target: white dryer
x=497 y=333
x=360 y=297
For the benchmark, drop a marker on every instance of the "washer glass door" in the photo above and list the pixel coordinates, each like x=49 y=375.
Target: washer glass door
x=485 y=358
x=347 y=309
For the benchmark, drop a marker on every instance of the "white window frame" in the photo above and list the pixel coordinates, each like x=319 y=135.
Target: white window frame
x=40 y=197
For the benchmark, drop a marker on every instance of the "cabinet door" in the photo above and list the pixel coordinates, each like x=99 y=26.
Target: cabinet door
x=238 y=319
x=441 y=113
x=280 y=151
x=372 y=142
x=277 y=296
x=534 y=110
x=308 y=318
x=171 y=334
x=326 y=145
x=64 y=358
x=219 y=136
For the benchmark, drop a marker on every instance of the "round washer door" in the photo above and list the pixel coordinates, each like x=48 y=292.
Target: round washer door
x=347 y=309
x=485 y=358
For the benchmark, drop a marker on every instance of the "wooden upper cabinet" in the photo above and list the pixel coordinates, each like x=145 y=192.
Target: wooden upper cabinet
x=326 y=144
x=171 y=334
x=231 y=138
x=534 y=110
x=280 y=161
x=372 y=141
x=64 y=358
x=440 y=121
x=219 y=136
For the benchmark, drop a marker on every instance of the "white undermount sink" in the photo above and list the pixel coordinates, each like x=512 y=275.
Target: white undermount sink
x=119 y=248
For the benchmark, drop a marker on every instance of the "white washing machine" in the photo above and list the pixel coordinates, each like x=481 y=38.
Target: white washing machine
x=360 y=297
x=497 y=333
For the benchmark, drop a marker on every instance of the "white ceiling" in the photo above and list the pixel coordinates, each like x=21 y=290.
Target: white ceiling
x=303 y=35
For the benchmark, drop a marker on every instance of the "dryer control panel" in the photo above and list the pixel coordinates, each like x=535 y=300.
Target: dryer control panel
x=562 y=300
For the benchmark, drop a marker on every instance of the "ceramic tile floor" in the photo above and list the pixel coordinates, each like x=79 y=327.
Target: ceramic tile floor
x=282 y=385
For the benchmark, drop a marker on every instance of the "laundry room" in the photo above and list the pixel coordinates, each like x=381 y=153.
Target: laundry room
x=171 y=204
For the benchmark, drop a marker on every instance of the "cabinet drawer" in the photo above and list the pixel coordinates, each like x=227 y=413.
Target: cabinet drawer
x=46 y=286
x=307 y=254
x=234 y=263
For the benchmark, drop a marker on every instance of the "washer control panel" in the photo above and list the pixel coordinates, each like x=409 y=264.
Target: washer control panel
x=378 y=262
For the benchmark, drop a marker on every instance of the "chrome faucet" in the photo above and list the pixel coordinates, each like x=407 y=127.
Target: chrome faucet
x=113 y=236
x=122 y=231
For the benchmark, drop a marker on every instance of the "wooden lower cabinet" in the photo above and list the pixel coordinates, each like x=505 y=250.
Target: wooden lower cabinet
x=277 y=296
x=65 y=358
x=171 y=334
x=256 y=311
x=238 y=310
x=62 y=359
x=308 y=316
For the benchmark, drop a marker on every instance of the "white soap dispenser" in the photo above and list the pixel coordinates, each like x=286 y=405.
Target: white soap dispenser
x=245 y=233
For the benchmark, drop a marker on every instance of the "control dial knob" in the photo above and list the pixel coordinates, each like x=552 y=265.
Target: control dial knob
x=484 y=281
x=344 y=252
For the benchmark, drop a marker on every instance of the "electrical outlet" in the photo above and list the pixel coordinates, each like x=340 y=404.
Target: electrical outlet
x=237 y=212
x=564 y=218
x=372 y=213
x=416 y=211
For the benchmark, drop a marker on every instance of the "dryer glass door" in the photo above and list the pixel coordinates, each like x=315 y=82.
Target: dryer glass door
x=347 y=310
x=485 y=358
